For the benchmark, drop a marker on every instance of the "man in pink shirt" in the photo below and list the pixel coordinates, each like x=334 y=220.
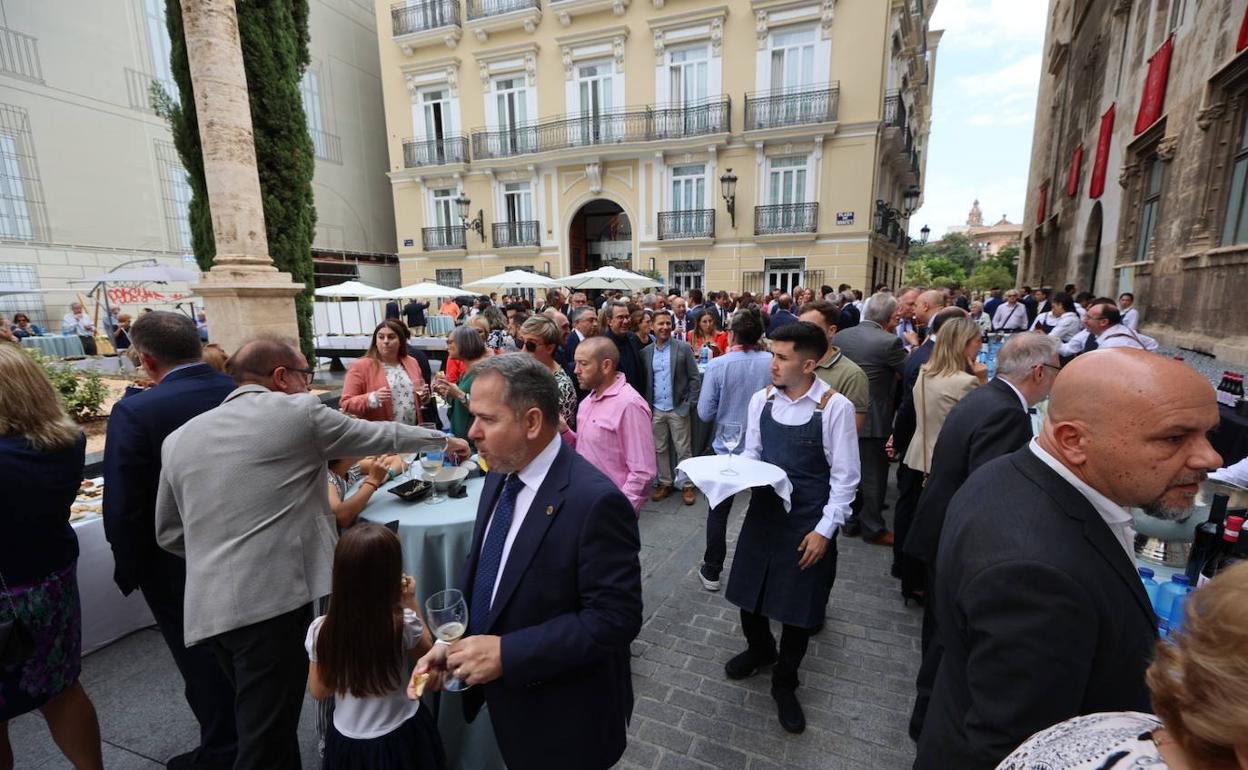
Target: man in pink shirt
x=614 y=421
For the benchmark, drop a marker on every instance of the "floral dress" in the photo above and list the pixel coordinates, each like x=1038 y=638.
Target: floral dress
x=402 y=394
x=567 y=396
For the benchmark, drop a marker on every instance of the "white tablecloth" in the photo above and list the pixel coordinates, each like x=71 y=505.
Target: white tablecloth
x=705 y=474
x=106 y=614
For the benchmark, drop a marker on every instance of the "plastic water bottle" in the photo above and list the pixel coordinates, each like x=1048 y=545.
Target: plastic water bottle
x=1169 y=606
x=447 y=457
x=705 y=354
x=1151 y=586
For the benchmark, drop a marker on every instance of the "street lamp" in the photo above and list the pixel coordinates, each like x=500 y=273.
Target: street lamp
x=728 y=187
x=911 y=199
x=478 y=224
x=924 y=233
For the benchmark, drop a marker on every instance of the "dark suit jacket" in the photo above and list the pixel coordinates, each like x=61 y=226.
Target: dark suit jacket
x=567 y=608
x=848 y=318
x=780 y=318
x=686 y=379
x=903 y=427
x=1040 y=612
x=137 y=427
x=880 y=354
x=988 y=423
x=630 y=360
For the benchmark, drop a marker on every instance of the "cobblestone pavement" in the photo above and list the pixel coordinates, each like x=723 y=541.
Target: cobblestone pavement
x=857 y=678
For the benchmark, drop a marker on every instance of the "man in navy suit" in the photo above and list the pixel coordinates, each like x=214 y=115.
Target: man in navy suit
x=171 y=351
x=553 y=583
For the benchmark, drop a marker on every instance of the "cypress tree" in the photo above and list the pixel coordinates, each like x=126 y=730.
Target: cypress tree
x=274 y=38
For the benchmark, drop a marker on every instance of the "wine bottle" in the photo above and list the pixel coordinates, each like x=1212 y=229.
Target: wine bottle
x=1226 y=550
x=1206 y=538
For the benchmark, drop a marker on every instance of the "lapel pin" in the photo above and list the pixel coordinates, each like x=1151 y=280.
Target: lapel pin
x=550 y=510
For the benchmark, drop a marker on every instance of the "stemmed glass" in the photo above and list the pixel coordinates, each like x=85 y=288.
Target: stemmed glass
x=430 y=462
x=448 y=616
x=730 y=434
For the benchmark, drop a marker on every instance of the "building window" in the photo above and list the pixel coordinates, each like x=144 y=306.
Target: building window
x=453 y=277
x=786 y=182
x=595 y=85
x=783 y=274
x=327 y=146
x=1152 y=200
x=1235 y=229
x=176 y=191
x=22 y=214
x=444 y=213
x=687 y=74
x=792 y=59
x=688 y=187
x=1177 y=7
x=686 y=274
x=518 y=201
x=30 y=304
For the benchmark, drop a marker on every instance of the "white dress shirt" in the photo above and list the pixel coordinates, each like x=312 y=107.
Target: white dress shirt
x=1074 y=346
x=840 y=443
x=1117 y=517
x=532 y=475
x=1131 y=318
x=77 y=325
x=1119 y=336
x=1064 y=326
x=1010 y=316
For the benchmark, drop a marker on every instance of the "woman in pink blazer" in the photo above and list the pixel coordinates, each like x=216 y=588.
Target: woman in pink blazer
x=385 y=385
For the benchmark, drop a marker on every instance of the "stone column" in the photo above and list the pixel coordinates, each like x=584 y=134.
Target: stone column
x=244 y=294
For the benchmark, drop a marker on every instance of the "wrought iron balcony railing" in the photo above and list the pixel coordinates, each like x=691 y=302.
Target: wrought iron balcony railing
x=690 y=223
x=327 y=146
x=443 y=238
x=894 y=110
x=523 y=233
x=791 y=106
x=480 y=9
x=435 y=152
x=786 y=218
x=642 y=124
x=410 y=17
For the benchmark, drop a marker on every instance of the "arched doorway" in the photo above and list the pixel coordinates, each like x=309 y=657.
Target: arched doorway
x=1090 y=257
x=600 y=234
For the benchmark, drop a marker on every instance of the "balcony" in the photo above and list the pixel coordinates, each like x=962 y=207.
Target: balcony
x=786 y=218
x=435 y=152
x=443 y=238
x=566 y=10
x=642 y=124
x=894 y=110
x=326 y=146
x=510 y=235
x=425 y=23
x=486 y=16
x=685 y=225
x=791 y=107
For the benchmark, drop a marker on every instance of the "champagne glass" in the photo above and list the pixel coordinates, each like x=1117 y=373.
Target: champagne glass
x=430 y=462
x=447 y=612
x=730 y=434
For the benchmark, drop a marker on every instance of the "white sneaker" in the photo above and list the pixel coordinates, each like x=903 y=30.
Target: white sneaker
x=707 y=583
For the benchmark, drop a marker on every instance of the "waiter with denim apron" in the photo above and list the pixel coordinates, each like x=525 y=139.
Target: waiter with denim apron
x=785 y=561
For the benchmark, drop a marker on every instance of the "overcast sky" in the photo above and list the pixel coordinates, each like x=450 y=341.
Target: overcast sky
x=987 y=76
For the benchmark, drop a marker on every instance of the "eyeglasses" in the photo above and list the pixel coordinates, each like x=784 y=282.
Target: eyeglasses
x=1051 y=366
x=308 y=373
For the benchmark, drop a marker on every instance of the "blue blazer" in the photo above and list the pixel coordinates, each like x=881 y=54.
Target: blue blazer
x=567 y=608
x=137 y=427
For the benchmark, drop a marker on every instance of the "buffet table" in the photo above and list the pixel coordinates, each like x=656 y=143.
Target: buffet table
x=55 y=346
x=436 y=540
x=439 y=325
x=106 y=614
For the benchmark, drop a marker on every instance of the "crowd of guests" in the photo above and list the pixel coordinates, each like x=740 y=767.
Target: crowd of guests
x=1033 y=613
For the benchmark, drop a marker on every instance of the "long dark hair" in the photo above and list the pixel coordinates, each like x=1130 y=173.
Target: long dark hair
x=393 y=325
x=360 y=644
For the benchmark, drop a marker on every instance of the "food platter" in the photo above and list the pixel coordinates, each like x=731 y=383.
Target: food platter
x=89 y=502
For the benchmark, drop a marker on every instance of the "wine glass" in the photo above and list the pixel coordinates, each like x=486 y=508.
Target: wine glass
x=447 y=613
x=430 y=462
x=730 y=434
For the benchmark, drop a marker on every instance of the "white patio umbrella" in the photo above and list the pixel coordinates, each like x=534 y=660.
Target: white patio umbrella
x=608 y=278
x=350 y=290
x=7 y=289
x=152 y=274
x=424 y=290
x=515 y=279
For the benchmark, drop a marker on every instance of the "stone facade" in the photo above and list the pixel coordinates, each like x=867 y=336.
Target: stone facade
x=1160 y=227
x=988 y=239
x=590 y=132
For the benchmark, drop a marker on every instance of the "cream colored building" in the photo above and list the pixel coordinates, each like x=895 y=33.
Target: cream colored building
x=594 y=132
x=89 y=178
x=988 y=239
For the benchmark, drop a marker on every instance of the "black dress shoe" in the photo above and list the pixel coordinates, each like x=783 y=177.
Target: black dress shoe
x=789 y=711
x=747 y=664
x=851 y=528
x=198 y=760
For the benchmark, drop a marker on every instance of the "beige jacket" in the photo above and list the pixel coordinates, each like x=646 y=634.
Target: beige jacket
x=934 y=398
x=242 y=499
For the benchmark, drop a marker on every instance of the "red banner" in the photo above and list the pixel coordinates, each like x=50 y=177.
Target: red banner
x=1155 y=86
x=1042 y=204
x=1242 y=42
x=1076 y=168
x=1102 y=154
x=141 y=295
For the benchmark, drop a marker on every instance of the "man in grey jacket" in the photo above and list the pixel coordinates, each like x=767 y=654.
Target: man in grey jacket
x=672 y=385
x=242 y=499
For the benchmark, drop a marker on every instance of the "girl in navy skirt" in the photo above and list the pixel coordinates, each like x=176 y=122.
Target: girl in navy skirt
x=356 y=651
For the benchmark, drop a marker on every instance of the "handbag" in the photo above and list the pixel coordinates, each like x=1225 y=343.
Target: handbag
x=17 y=643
